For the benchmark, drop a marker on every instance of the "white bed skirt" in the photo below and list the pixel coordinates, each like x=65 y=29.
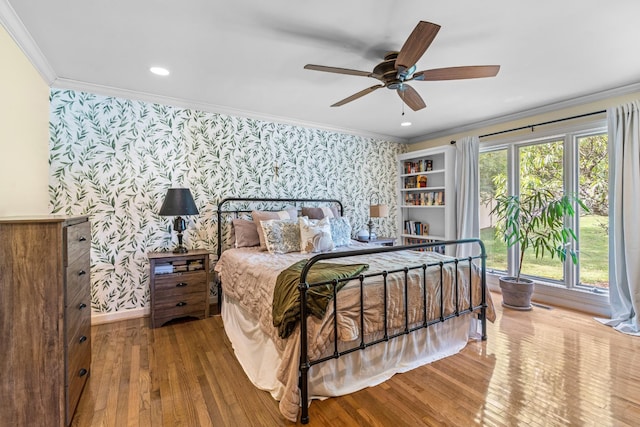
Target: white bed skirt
x=260 y=358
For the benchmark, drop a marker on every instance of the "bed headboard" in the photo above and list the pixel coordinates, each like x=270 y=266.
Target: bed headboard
x=237 y=205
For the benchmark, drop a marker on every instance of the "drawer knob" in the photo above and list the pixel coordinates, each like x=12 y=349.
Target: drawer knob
x=82 y=372
x=82 y=305
x=83 y=339
x=82 y=239
x=181 y=285
x=181 y=304
x=81 y=273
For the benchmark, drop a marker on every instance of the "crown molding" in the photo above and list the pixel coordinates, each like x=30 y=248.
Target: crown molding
x=211 y=108
x=16 y=29
x=569 y=103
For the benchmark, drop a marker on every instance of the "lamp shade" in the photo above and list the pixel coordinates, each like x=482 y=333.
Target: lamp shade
x=378 y=211
x=178 y=201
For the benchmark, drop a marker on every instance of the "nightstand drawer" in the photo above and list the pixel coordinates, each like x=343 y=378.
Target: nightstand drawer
x=179 y=303
x=193 y=305
x=174 y=285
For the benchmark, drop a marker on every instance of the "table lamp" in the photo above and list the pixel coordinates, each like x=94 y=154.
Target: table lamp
x=178 y=202
x=376 y=211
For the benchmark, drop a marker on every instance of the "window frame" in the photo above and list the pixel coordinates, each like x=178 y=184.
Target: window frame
x=552 y=291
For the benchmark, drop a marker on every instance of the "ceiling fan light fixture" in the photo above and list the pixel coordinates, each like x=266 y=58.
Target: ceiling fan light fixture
x=405 y=124
x=159 y=71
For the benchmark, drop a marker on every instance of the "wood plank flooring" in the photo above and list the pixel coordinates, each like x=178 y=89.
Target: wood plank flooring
x=539 y=368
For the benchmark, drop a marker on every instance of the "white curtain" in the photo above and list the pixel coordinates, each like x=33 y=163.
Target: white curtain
x=467 y=193
x=624 y=217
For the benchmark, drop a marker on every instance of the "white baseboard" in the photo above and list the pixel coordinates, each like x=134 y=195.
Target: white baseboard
x=116 y=316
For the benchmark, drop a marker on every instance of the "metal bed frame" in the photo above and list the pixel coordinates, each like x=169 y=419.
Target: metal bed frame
x=304 y=287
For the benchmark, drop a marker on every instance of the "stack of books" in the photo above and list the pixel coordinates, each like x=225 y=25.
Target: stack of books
x=180 y=266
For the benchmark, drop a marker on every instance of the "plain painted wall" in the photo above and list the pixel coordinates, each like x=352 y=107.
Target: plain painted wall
x=540 y=118
x=24 y=133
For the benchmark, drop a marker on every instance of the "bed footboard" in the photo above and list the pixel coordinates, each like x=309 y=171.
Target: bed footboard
x=409 y=325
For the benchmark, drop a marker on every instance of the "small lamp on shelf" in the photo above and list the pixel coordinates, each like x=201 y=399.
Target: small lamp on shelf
x=178 y=202
x=376 y=211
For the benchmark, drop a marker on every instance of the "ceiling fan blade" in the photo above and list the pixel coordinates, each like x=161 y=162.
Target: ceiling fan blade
x=357 y=95
x=337 y=70
x=458 y=73
x=411 y=97
x=415 y=46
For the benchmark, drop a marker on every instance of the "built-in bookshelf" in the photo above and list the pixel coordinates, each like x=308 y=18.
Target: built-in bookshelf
x=425 y=196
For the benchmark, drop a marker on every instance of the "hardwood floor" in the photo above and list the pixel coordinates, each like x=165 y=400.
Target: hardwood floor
x=540 y=368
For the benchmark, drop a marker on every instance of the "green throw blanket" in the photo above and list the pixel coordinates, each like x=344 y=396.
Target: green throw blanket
x=286 y=296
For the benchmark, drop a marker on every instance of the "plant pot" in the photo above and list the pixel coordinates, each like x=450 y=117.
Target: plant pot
x=516 y=295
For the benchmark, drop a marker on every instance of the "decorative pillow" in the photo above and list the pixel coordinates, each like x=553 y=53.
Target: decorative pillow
x=259 y=216
x=281 y=236
x=319 y=213
x=246 y=233
x=340 y=231
x=315 y=235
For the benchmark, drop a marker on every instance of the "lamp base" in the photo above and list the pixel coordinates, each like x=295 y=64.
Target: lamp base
x=180 y=249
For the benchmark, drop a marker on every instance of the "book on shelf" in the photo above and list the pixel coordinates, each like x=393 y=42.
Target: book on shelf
x=424 y=165
x=437 y=248
x=416 y=227
x=410 y=182
x=428 y=198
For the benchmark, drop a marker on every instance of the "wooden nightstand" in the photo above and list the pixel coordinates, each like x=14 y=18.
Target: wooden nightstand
x=179 y=285
x=383 y=241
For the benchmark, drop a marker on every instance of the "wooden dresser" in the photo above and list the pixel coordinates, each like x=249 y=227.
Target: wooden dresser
x=179 y=285
x=45 y=318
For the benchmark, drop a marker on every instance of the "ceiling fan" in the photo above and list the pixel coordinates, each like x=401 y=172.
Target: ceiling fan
x=398 y=68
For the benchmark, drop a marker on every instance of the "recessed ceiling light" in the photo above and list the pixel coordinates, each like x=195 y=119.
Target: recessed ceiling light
x=159 y=71
x=405 y=124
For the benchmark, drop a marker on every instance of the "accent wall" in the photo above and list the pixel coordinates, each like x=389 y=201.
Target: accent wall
x=113 y=159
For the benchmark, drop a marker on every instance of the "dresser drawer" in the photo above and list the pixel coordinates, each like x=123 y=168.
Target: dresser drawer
x=77 y=241
x=77 y=313
x=78 y=351
x=78 y=367
x=78 y=279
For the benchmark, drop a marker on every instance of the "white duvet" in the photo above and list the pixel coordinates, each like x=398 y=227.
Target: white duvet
x=248 y=278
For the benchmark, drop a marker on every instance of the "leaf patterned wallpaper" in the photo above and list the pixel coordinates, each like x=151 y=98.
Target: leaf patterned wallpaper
x=113 y=159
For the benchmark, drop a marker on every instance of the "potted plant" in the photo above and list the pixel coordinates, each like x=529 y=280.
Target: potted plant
x=534 y=220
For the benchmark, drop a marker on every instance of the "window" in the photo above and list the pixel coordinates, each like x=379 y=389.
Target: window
x=576 y=162
x=493 y=181
x=593 y=189
x=540 y=166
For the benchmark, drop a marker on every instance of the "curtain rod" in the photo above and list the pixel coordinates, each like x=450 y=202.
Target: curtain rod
x=541 y=124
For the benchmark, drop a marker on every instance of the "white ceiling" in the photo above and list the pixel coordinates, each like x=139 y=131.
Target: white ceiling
x=246 y=57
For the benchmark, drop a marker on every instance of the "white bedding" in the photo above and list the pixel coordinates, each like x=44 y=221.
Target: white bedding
x=248 y=279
